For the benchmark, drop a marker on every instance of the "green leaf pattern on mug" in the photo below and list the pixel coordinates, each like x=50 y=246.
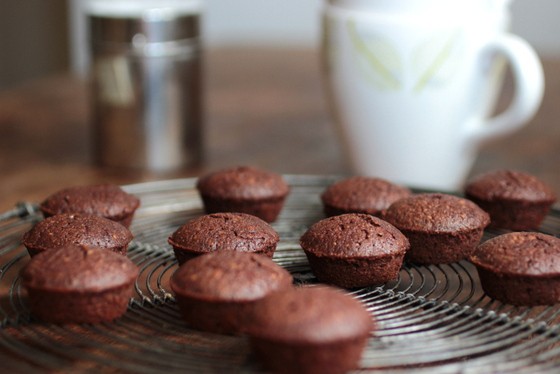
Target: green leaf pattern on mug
x=379 y=60
x=435 y=61
x=432 y=62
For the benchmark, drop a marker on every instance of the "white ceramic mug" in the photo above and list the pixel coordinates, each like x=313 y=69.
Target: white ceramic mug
x=413 y=84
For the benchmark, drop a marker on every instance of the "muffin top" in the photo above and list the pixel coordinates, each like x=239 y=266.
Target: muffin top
x=106 y=200
x=509 y=185
x=242 y=182
x=78 y=229
x=305 y=315
x=361 y=194
x=78 y=268
x=437 y=213
x=224 y=231
x=353 y=235
x=520 y=253
x=229 y=276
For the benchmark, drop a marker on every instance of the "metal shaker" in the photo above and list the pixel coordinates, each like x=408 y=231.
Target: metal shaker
x=146 y=85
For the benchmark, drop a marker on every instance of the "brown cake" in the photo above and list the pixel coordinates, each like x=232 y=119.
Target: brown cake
x=244 y=189
x=520 y=268
x=514 y=200
x=354 y=250
x=76 y=284
x=223 y=232
x=441 y=228
x=310 y=330
x=361 y=194
x=107 y=201
x=217 y=291
x=77 y=229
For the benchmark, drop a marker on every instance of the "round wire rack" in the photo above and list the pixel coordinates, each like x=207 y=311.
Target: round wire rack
x=432 y=319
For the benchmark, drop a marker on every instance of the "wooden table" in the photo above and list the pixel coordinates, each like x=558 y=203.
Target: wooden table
x=264 y=107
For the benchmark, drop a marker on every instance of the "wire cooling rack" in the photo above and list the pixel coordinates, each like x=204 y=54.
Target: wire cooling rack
x=432 y=319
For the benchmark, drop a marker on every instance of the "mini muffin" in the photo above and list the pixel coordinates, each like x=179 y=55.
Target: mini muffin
x=310 y=330
x=354 y=250
x=107 y=201
x=361 y=195
x=514 y=200
x=78 y=229
x=76 y=284
x=520 y=268
x=244 y=189
x=223 y=232
x=217 y=291
x=441 y=228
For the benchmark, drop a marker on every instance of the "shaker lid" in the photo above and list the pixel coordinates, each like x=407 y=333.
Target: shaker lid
x=121 y=21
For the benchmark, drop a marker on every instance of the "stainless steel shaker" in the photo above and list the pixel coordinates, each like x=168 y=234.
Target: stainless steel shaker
x=146 y=85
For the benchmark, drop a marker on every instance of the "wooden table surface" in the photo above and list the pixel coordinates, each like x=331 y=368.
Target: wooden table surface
x=263 y=107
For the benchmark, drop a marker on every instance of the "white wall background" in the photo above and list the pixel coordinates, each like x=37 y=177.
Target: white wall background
x=262 y=22
x=296 y=23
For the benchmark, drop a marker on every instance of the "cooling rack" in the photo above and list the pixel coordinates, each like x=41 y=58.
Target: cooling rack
x=433 y=319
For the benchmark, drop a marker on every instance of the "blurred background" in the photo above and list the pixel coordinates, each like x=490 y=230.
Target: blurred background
x=264 y=99
x=43 y=37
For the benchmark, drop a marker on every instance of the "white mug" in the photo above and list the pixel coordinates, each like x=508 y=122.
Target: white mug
x=413 y=84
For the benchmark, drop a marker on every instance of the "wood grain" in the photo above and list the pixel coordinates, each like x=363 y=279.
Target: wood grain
x=264 y=107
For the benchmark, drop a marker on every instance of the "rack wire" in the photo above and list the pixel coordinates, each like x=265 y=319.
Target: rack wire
x=432 y=319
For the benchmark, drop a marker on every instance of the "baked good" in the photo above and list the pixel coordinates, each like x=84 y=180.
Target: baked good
x=515 y=200
x=223 y=232
x=217 y=291
x=310 y=330
x=78 y=229
x=360 y=194
x=105 y=200
x=354 y=250
x=520 y=268
x=441 y=228
x=77 y=284
x=244 y=189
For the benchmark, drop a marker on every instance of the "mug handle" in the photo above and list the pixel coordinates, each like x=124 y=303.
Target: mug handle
x=528 y=76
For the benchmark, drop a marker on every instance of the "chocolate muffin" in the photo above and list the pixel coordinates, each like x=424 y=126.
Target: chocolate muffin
x=217 y=291
x=76 y=284
x=106 y=200
x=310 y=330
x=244 y=189
x=520 y=268
x=441 y=228
x=223 y=232
x=514 y=200
x=78 y=229
x=361 y=195
x=354 y=250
